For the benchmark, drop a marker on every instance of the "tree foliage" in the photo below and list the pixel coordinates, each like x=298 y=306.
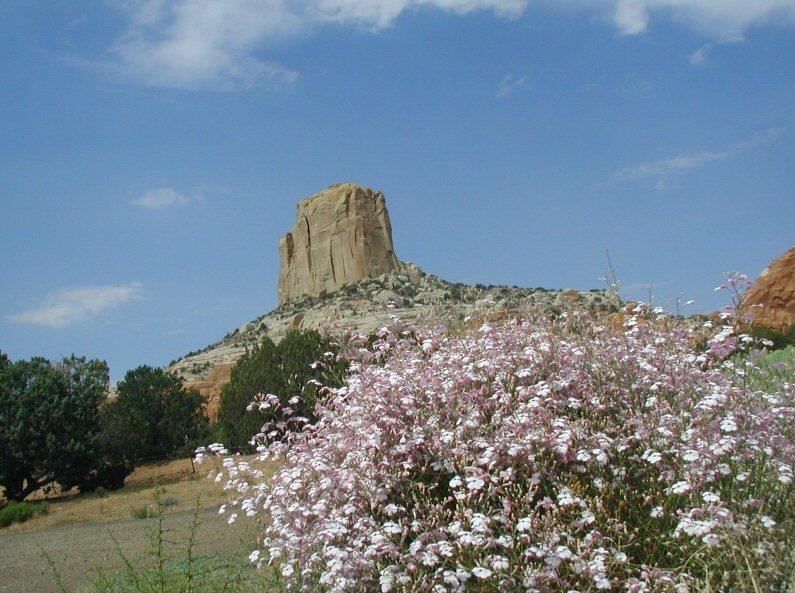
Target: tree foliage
x=50 y=429
x=284 y=370
x=153 y=416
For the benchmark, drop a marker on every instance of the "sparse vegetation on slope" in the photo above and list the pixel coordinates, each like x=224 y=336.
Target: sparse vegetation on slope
x=363 y=307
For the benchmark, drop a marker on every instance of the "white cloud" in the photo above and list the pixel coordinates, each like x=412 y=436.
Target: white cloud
x=639 y=88
x=701 y=55
x=75 y=305
x=215 y=44
x=689 y=162
x=715 y=18
x=193 y=44
x=161 y=198
x=662 y=185
x=631 y=16
x=509 y=84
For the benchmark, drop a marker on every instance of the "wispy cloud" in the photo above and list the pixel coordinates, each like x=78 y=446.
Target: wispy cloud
x=690 y=162
x=509 y=84
x=196 y=44
x=662 y=185
x=75 y=305
x=716 y=18
x=160 y=199
x=700 y=57
x=218 y=44
x=640 y=88
x=631 y=16
x=208 y=44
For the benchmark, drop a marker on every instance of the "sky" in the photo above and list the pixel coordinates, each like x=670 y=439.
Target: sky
x=152 y=152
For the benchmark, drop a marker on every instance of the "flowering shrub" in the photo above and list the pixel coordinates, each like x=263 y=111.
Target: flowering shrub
x=538 y=456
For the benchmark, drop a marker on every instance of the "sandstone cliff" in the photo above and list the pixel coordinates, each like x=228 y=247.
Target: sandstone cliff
x=211 y=386
x=772 y=299
x=341 y=235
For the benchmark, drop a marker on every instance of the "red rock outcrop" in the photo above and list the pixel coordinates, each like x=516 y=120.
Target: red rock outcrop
x=341 y=235
x=210 y=387
x=772 y=298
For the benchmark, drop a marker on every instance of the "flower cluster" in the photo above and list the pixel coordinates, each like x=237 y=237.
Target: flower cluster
x=534 y=456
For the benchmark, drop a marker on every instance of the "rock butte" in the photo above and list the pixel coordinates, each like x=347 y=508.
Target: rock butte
x=339 y=272
x=772 y=298
x=341 y=235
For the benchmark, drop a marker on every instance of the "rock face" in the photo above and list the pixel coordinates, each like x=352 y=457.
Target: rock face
x=775 y=292
x=342 y=235
x=211 y=385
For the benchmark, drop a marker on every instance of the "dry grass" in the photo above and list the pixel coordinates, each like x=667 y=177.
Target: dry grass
x=176 y=480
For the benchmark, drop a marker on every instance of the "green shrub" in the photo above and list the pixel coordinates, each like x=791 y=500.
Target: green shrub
x=774 y=368
x=157 y=509
x=146 y=512
x=19 y=512
x=168 y=501
x=183 y=572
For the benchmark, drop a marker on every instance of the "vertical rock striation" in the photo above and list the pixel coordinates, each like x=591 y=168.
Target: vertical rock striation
x=341 y=235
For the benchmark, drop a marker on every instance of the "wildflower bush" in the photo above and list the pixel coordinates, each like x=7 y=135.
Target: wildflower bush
x=538 y=456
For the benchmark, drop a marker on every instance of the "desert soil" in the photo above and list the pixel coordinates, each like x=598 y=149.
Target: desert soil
x=78 y=532
x=78 y=550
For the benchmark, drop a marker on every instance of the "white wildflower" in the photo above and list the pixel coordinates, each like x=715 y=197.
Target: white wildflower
x=481 y=572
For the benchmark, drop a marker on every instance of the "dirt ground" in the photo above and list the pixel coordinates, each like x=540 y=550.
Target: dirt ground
x=78 y=531
x=78 y=550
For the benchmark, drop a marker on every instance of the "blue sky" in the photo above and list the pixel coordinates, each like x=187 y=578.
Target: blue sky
x=152 y=151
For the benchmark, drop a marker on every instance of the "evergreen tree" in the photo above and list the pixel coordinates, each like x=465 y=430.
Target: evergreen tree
x=285 y=371
x=257 y=371
x=154 y=415
x=49 y=425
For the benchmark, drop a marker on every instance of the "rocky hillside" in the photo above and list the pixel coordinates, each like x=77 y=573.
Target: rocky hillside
x=344 y=233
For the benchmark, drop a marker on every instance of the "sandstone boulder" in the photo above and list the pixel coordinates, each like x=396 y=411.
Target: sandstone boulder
x=341 y=235
x=772 y=298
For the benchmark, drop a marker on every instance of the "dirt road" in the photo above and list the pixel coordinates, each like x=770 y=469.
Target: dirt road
x=78 y=550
